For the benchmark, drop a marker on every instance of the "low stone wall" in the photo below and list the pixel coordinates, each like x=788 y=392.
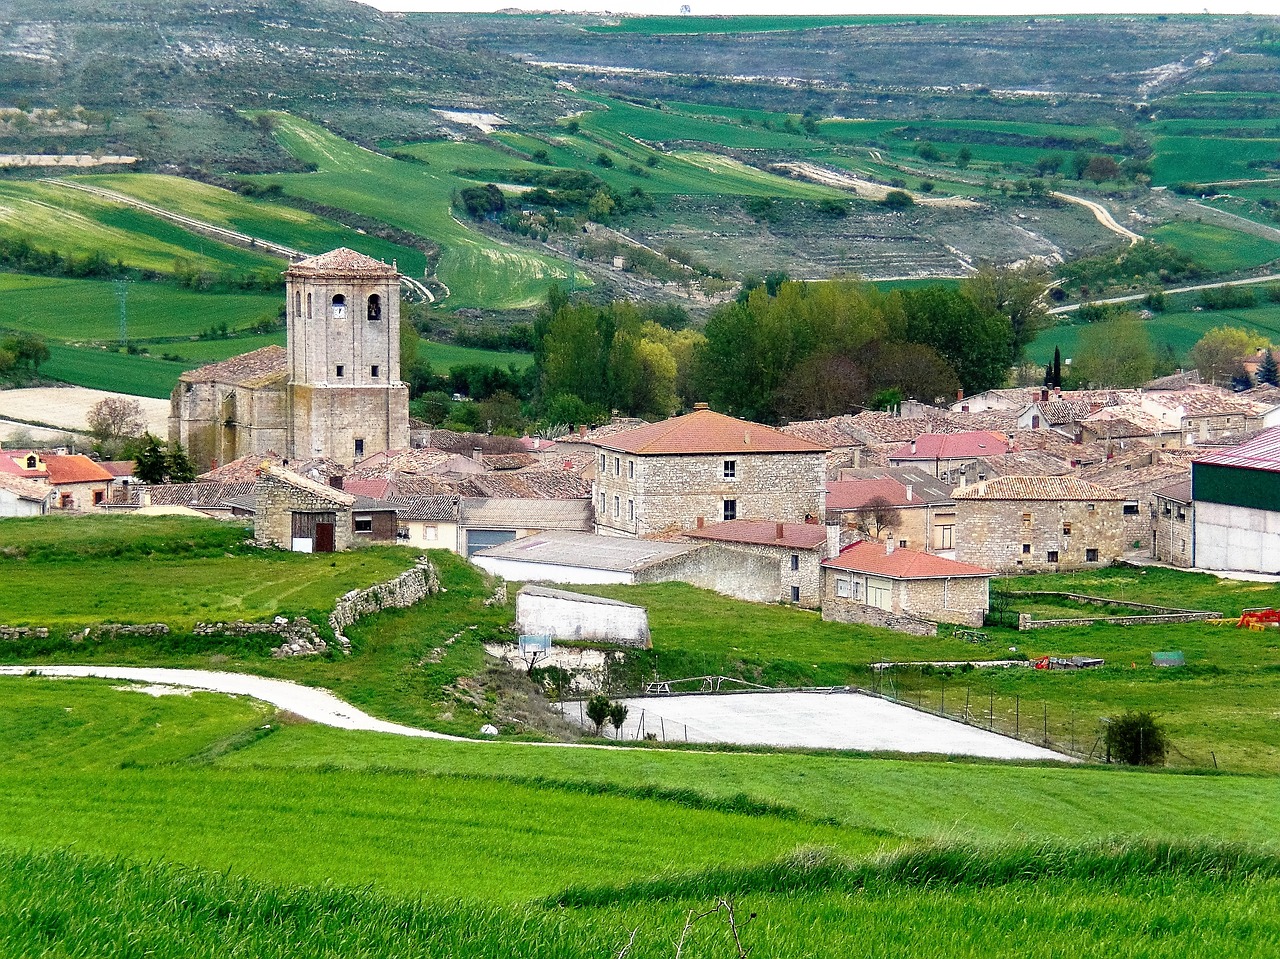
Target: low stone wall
x=1155 y=616
x=405 y=590
x=299 y=635
x=24 y=632
x=860 y=614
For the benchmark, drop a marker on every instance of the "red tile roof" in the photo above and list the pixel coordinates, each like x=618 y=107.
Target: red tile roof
x=75 y=469
x=247 y=369
x=705 y=431
x=945 y=446
x=855 y=494
x=120 y=469
x=764 y=533
x=874 y=558
x=343 y=262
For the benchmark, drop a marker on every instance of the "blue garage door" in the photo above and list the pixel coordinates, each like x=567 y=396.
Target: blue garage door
x=478 y=539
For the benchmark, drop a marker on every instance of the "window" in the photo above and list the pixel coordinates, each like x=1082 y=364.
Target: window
x=631 y=510
x=878 y=596
x=842 y=587
x=602 y=462
x=1026 y=519
x=617 y=466
x=1090 y=555
x=1053 y=556
x=1182 y=515
x=1183 y=545
x=1026 y=547
x=1091 y=507
x=902 y=543
x=31 y=462
x=375 y=308
x=431 y=533
x=617 y=506
x=362 y=524
x=373 y=372
x=1130 y=509
x=857 y=589
x=308 y=306
x=1066 y=529
x=339 y=306
x=795 y=561
x=795 y=594
x=631 y=469
x=946 y=537
x=360 y=447
x=402 y=532
x=730 y=469
x=1168 y=510
x=297 y=304
x=602 y=503
x=98 y=497
x=730 y=509
x=340 y=371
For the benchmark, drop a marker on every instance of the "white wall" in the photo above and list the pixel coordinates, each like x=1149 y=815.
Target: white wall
x=581 y=619
x=522 y=572
x=1236 y=537
x=12 y=505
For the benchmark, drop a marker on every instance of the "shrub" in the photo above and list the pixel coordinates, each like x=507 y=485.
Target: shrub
x=897 y=200
x=1136 y=739
x=599 y=709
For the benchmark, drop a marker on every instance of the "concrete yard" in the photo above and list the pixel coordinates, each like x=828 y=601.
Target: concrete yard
x=815 y=720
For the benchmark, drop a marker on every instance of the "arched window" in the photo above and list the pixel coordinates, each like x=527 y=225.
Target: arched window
x=375 y=308
x=297 y=304
x=308 y=306
x=31 y=462
x=339 y=306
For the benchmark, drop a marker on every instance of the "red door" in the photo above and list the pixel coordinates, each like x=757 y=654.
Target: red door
x=324 y=537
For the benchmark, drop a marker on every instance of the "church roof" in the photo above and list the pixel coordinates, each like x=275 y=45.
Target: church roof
x=247 y=369
x=341 y=262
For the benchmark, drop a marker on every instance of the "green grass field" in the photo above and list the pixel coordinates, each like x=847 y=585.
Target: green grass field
x=478 y=271
x=445 y=356
x=1203 y=158
x=79 y=224
x=1218 y=249
x=275 y=222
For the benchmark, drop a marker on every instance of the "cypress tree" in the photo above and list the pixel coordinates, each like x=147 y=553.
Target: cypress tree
x=1057 y=367
x=1268 y=372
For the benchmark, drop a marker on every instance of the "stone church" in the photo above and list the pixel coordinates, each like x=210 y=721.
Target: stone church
x=332 y=391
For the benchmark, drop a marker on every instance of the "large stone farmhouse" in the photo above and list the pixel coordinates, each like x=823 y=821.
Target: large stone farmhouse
x=333 y=391
x=705 y=467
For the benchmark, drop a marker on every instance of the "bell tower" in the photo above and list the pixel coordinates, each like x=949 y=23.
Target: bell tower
x=346 y=400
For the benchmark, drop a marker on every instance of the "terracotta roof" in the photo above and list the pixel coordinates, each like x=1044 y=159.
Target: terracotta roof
x=705 y=431
x=1027 y=463
x=856 y=486
x=536 y=444
x=763 y=533
x=1260 y=453
x=426 y=508
x=929 y=446
x=836 y=431
x=13 y=462
x=203 y=494
x=120 y=469
x=866 y=556
x=1036 y=488
x=270 y=473
x=543 y=514
x=374 y=487
x=26 y=489
x=341 y=262
x=247 y=369
x=1180 y=491
x=74 y=469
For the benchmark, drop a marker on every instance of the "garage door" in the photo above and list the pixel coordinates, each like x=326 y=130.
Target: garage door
x=478 y=539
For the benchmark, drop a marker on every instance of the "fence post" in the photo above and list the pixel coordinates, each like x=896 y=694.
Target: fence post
x=942 y=708
x=991 y=709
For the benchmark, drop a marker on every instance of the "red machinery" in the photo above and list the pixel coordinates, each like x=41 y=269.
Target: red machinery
x=1259 y=618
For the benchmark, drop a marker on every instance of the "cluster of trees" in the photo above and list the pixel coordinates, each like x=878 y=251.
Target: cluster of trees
x=22 y=256
x=567 y=191
x=119 y=430
x=1142 y=263
x=21 y=355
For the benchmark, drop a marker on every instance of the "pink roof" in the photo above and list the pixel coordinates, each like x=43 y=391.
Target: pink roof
x=946 y=446
x=866 y=556
x=536 y=444
x=855 y=494
x=764 y=533
x=374 y=487
x=118 y=468
x=706 y=431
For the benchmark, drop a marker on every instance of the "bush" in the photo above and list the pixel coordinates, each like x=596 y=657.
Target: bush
x=1136 y=740
x=897 y=200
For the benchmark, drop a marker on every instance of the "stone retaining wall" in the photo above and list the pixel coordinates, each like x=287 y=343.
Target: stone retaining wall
x=859 y=613
x=405 y=590
x=1158 y=615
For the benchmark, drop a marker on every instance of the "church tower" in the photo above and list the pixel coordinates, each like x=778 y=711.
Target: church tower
x=345 y=398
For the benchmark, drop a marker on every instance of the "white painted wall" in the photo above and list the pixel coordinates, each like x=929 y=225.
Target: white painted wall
x=581 y=619
x=1236 y=537
x=522 y=572
x=13 y=505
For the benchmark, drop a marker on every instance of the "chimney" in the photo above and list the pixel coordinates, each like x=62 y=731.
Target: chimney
x=888 y=545
x=582 y=430
x=335 y=481
x=959 y=395
x=908 y=492
x=1057 y=391
x=701 y=522
x=913 y=447
x=778 y=532
x=701 y=406
x=477 y=454
x=568 y=465
x=537 y=442
x=1044 y=394
x=833 y=541
x=144 y=498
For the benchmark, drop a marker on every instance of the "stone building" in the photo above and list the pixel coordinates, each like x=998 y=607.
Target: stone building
x=77 y=482
x=295 y=513
x=1173 y=524
x=704 y=466
x=908 y=506
x=956 y=458
x=797 y=548
x=1039 y=524
x=883 y=585
x=333 y=391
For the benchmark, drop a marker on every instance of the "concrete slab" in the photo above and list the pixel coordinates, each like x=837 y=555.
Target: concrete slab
x=816 y=720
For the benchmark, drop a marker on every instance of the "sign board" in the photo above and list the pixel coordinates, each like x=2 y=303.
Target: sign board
x=1174 y=658
x=534 y=644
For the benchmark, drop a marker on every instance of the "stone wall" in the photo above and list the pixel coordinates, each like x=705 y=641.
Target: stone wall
x=964 y=600
x=1017 y=535
x=724 y=569
x=1144 y=613
x=808 y=577
x=405 y=590
x=840 y=610
x=675 y=491
x=24 y=632
x=1172 y=540
x=278 y=499
x=564 y=615
x=219 y=422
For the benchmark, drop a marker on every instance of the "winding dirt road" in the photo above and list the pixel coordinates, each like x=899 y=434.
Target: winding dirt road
x=1101 y=214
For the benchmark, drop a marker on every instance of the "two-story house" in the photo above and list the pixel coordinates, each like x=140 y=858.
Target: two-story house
x=704 y=467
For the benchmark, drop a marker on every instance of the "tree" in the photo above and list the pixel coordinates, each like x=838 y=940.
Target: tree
x=874 y=516
x=1136 y=739
x=1102 y=168
x=617 y=716
x=115 y=418
x=178 y=466
x=1268 y=372
x=28 y=350
x=598 y=710
x=1057 y=367
x=977 y=344
x=149 y=465
x=1113 y=353
x=1240 y=378
x=963 y=156
x=1016 y=291
x=1218 y=351
x=897 y=200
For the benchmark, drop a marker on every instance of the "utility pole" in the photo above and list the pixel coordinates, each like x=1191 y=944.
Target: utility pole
x=122 y=294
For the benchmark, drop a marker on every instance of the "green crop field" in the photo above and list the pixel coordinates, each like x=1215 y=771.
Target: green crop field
x=478 y=270
x=690 y=25
x=1218 y=249
x=65 y=587
x=1180 y=330
x=264 y=219
x=51 y=217
x=445 y=356
x=1205 y=159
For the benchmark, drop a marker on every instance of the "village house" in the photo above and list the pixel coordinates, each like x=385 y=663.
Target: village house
x=77 y=482
x=300 y=514
x=704 y=467
x=906 y=505
x=1039 y=524
x=796 y=548
x=1173 y=521
x=957 y=458
x=23 y=497
x=883 y=585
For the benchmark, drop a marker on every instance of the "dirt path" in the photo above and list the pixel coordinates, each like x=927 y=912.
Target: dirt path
x=1101 y=214
x=1133 y=297
x=845 y=721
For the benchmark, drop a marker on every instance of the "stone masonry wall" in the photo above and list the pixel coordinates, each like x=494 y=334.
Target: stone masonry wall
x=839 y=609
x=724 y=569
x=1172 y=540
x=963 y=601
x=405 y=590
x=277 y=501
x=674 y=491
x=808 y=577
x=992 y=533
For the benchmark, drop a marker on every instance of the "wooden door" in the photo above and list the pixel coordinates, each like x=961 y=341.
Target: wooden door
x=324 y=537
